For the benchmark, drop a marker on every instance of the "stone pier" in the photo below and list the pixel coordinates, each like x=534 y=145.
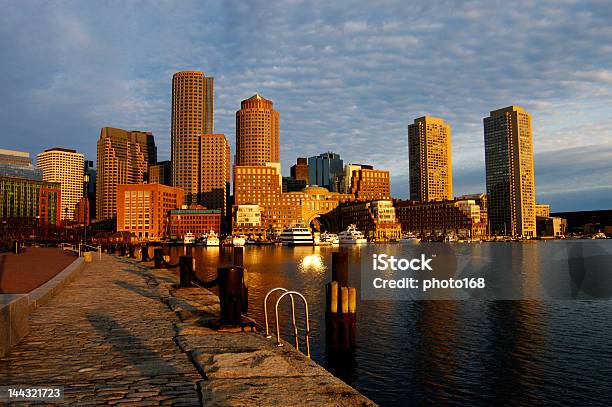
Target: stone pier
x=122 y=334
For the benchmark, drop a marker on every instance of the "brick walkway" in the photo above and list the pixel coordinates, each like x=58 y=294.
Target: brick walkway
x=107 y=338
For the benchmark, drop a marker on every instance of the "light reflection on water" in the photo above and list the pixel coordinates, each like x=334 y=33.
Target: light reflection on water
x=447 y=352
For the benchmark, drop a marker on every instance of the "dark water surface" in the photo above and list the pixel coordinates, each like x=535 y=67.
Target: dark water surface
x=471 y=352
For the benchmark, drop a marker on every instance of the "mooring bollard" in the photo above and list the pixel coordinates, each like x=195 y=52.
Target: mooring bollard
x=158 y=258
x=15 y=246
x=239 y=256
x=131 y=251
x=231 y=294
x=341 y=306
x=185 y=271
x=144 y=249
x=122 y=249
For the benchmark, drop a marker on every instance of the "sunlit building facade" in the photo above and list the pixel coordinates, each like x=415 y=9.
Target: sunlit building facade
x=142 y=209
x=67 y=168
x=192 y=116
x=430 y=163
x=124 y=157
x=509 y=172
x=257 y=133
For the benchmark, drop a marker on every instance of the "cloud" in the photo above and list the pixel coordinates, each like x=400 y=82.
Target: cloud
x=343 y=76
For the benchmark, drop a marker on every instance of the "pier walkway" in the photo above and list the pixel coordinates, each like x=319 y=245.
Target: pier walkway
x=106 y=338
x=122 y=334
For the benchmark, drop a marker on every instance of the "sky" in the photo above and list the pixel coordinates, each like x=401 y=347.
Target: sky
x=346 y=77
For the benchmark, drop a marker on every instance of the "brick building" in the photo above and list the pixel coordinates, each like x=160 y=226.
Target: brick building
x=375 y=219
x=194 y=219
x=142 y=209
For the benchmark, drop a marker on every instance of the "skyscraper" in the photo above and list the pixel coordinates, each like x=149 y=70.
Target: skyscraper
x=509 y=166
x=323 y=170
x=430 y=163
x=257 y=132
x=66 y=167
x=214 y=171
x=124 y=157
x=192 y=116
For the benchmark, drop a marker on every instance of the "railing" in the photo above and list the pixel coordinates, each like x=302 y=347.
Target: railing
x=291 y=294
x=97 y=248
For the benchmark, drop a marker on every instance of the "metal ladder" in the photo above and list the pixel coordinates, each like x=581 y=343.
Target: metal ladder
x=295 y=329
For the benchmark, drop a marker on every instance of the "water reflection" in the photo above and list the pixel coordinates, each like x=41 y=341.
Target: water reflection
x=472 y=352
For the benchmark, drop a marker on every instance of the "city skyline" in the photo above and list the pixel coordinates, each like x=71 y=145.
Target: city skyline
x=343 y=99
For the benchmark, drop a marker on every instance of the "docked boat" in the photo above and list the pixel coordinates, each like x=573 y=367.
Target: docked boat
x=238 y=241
x=189 y=238
x=212 y=239
x=410 y=238
x=599 y=235
x=297 y=236
x=328 y=239
x=352 y=236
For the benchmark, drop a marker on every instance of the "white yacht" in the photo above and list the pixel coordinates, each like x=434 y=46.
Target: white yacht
x=189 y=238
x=212 y=239
x=238 y=241
x=327 y=239
x=410 y=238
x=352 y=236
x=297 y=236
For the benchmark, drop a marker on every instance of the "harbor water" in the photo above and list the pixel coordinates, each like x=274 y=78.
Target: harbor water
x=468 y=352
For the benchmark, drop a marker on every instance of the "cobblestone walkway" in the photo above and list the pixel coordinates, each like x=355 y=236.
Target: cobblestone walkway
x=107 y=339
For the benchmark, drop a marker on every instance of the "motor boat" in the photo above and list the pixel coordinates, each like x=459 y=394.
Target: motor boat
x=212 y=239
x=189 y=238
x=352 y=236
x=328 y=239
x=297 y=236
x=238 y=241
x=410 y=238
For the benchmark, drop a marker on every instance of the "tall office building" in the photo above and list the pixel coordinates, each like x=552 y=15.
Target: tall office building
x=257 y=132
x=214 y=171
x=430 y=163
x=90 y=187
x=124 y=157
x=299 y=171
x=66 y=167
x=509 y=166
x=161 y=173
x=324 y=169
x=18 y=164
x=192 y=116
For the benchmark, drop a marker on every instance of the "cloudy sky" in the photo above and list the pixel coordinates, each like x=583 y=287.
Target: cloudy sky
x=346 y=77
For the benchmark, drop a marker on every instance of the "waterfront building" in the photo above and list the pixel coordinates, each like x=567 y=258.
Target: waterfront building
x=430 y=163
x=194 y=219
x=482 y=200
x=66 y=167
x=376 y=219
x=368 y=184
x=142 y=209
x=124 y=157
x=551 y=226
x=262 y=186
x=291 y=184
x=22 y=198
x=18 y=164
x=192 y=116
x=257 y=133
x=248 y=221
x=542 y=210
x=323 y=170
x=509 y=172
x=587 y=222
x=81 y=212
x=438 y=219
x=161 y=173
x=299 y=170
x=89 y=187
